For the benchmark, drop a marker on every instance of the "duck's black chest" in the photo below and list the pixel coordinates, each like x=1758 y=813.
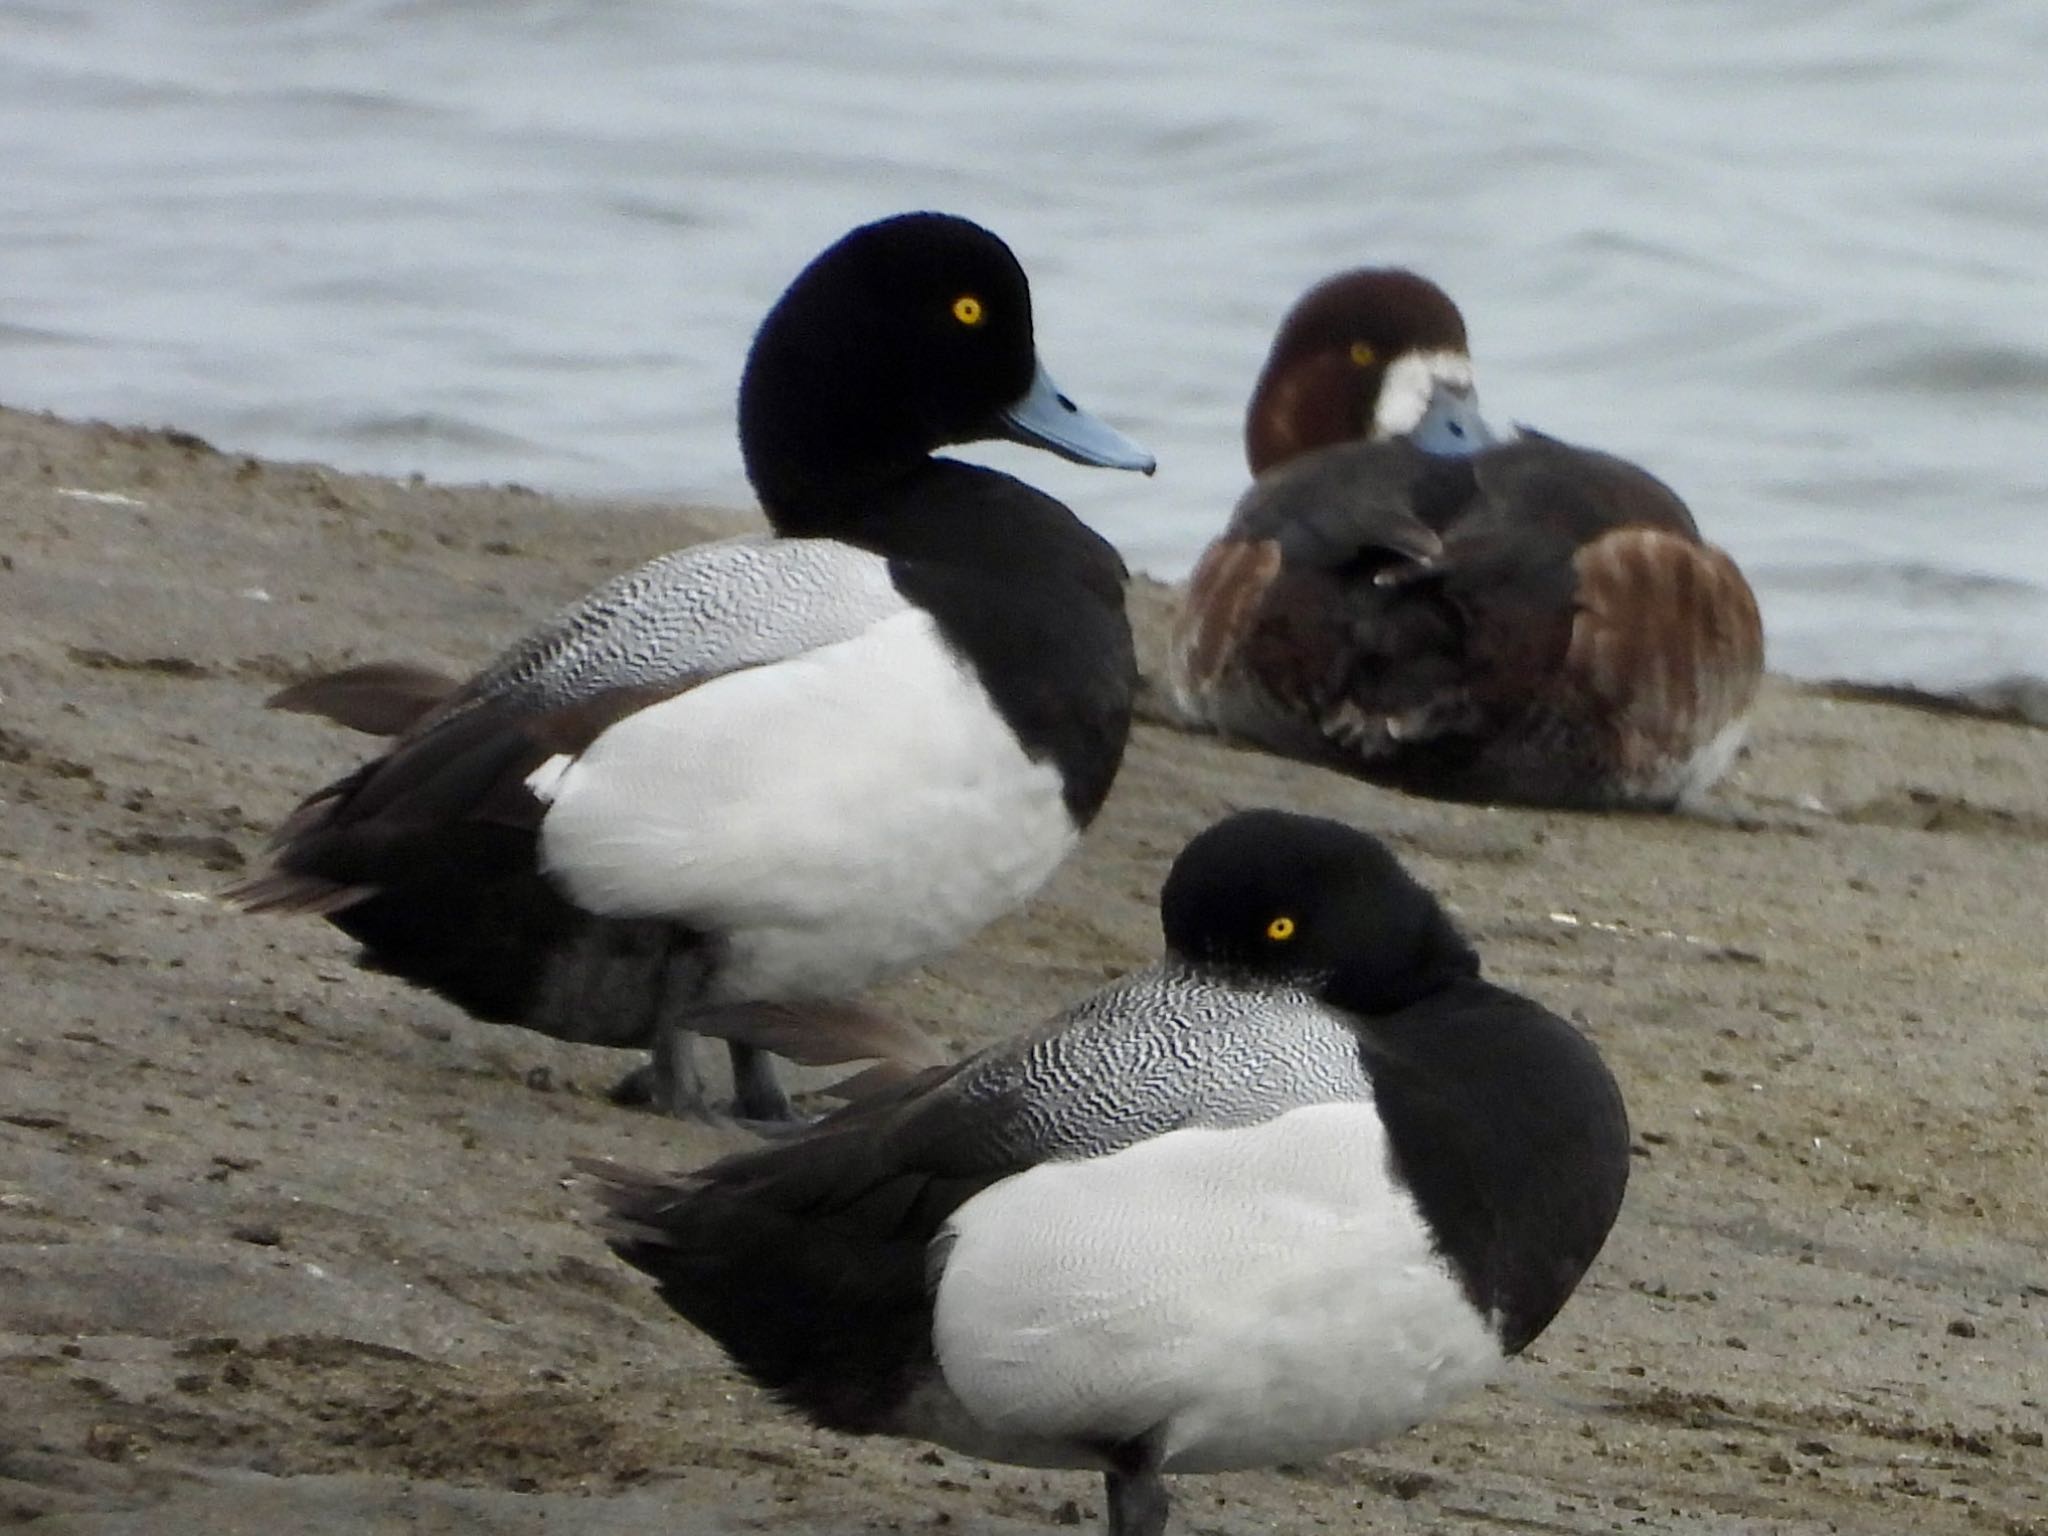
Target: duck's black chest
x=1033 y=601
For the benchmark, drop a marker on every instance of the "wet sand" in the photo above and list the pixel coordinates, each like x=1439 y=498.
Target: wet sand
x=288 y=1247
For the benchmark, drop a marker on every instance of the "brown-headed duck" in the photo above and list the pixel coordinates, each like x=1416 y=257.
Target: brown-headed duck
x=1404 y=595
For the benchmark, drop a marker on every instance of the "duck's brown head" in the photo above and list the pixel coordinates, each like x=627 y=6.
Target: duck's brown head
x=1375 y=353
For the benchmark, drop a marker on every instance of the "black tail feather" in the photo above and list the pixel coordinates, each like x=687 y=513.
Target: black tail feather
x=831 y=1318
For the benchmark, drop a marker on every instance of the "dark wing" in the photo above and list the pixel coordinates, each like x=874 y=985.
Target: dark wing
x=806 y=1259
x=1282 y=602
x=1579 y=492
x=453 y=796
x=1666 y=645
x=1462 y=642
x=1351 y=507
x=378 y=698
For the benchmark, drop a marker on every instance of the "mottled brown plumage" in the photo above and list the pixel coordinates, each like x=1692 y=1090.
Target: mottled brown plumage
x=1532 y=622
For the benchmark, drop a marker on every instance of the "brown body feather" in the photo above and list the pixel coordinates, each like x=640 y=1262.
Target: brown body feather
x=1539 y=624
x=1667 y=643
x=1531 y=622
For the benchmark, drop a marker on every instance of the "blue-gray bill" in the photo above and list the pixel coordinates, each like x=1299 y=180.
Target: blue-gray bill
x=1452 y=425
x=1046 y=418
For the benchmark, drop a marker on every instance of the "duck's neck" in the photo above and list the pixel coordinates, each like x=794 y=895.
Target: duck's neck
x=1510 y=1130
x=814 y=500
x=1398 y=970
x=817 y=476
x=818 y=450
x=1301 y=404
x=943 y=513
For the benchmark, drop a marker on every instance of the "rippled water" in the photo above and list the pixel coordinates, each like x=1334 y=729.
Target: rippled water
x=1793 y=258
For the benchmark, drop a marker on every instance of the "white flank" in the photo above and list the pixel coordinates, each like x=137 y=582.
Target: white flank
x=1252 y=1296
x=835 y=816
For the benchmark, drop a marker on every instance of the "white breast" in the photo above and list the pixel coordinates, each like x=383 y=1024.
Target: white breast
x=1251 y=1296
x=833 y=817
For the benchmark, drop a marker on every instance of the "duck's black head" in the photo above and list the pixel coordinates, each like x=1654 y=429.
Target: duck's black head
x=904 y=336
x=1305 y=900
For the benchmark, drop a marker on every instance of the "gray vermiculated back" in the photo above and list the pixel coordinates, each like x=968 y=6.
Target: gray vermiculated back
x=691 y=613
x=1165 y=1049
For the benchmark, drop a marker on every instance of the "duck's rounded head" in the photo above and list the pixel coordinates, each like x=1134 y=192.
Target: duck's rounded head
x=1300 y=899
x=1366 y=355
x=903 y=336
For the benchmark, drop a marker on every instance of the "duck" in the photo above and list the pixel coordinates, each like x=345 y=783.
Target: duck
x=768 y=771
x=1289 y=1191
x=1411 y=597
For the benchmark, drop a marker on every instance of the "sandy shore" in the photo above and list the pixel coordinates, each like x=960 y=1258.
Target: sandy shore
x=286 y=1247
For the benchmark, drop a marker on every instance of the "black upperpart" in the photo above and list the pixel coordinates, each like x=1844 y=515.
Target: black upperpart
x=448 y=892
x=806 y=1261
x=905 y=335
x=1304 y=899
x=908 y=334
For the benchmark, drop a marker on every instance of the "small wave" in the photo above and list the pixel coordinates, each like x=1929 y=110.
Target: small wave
x=12 y=335
x=355 y=106
x=438 y=429
x=1986 y=368
x=669 y=213
x=1906 y=581
x=1925 y=485
x=1917 y=359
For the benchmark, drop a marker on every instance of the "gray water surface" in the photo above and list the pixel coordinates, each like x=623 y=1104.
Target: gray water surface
x=1792 y=258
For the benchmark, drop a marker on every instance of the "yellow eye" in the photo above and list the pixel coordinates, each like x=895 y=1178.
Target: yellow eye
x=1280 y=930
x=967 y=309
x=1363 y=354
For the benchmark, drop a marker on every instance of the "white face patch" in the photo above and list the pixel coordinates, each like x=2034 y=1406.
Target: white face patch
x=1412 y=382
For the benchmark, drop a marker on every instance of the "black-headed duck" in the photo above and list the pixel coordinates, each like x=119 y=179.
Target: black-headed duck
x=1291 y=1191
x=775 y=768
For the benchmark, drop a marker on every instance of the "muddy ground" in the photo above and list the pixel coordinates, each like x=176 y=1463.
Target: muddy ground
x=288 y=1247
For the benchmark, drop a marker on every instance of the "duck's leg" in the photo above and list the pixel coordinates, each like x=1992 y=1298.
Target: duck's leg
x=672 y=1083
x=756 y=1095
x=1136 y=1492
x=815 y=1032
x=678 y=1081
